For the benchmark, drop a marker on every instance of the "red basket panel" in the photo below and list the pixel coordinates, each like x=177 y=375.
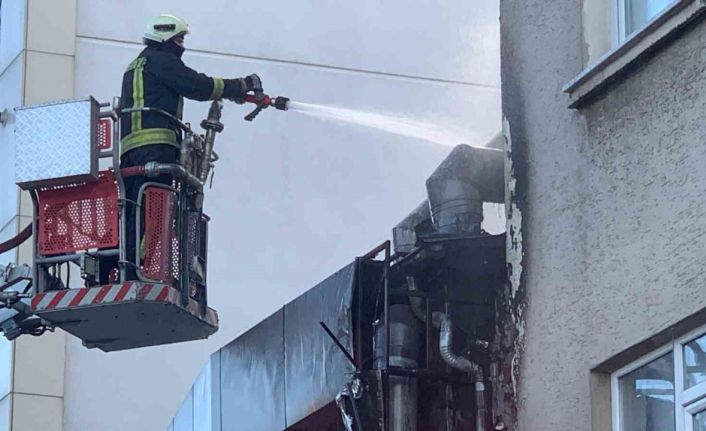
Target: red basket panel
x=105 y=134
x=159 y=239
x=79 y=217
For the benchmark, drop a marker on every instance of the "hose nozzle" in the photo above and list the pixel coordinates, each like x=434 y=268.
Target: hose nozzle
x=280 y=103
x=263 y=101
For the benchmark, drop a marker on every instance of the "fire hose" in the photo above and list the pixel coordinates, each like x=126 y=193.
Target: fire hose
x=17 y=240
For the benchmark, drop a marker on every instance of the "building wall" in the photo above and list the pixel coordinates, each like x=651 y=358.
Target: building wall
x=36 y=60
x=294 y=197
x=12 y=42
x=610 y=202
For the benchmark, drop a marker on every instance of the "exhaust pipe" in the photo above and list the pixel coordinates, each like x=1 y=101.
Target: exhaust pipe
x=405 y=349
x=457 y=189
x=462 y=364
x=443 y=323
x=404 y=237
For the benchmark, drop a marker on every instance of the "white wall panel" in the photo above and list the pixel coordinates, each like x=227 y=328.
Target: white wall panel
x=5 y=406
x=5 y=368
x=7 y=232
x=10 y=97
x=453 y=40
x=12 y=31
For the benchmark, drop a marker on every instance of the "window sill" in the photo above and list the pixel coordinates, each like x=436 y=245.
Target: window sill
x=612 y=64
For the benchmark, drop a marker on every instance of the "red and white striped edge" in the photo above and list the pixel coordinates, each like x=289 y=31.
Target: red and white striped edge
x=108 y=294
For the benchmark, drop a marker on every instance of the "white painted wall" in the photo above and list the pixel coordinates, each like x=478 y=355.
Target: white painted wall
x=294 y=198
x=452 y=40
x=12 y=31
x=12 y=19
x=10 y=96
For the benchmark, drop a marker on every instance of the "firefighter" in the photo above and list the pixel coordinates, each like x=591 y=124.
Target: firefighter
x=158 y=78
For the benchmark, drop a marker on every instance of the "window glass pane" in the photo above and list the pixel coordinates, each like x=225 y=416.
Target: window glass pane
x=695 y=362
x=640 y=12
x=700 y=422
x=647 y=397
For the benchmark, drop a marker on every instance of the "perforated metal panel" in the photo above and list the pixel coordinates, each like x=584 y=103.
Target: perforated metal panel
x=159 y=240
x=56 y=143
x=79 y=217
x=105 y=137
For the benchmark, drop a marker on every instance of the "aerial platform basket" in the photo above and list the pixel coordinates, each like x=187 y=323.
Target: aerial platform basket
x=125 y=316
x=150 y=293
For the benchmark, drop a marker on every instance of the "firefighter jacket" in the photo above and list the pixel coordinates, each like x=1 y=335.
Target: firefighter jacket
x=158 y=78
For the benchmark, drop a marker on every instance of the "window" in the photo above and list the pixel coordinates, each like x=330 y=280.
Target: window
x=616 y=33
x=663 y=391
x=633 y=15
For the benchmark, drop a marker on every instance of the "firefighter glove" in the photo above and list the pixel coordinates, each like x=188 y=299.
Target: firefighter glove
x=253 y=83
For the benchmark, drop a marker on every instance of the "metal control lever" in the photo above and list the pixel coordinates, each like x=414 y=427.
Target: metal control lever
x=10 y=299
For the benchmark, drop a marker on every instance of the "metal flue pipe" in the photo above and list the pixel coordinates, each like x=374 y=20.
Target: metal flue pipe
x=443 y=323
x=462 y=364
x=404 y=237
x=457 y=189
x=405 y=349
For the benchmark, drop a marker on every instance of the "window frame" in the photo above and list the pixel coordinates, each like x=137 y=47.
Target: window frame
x=619 y=20
x=687 y=402
x=625 y=52
x=618 y=23
x=638 y=363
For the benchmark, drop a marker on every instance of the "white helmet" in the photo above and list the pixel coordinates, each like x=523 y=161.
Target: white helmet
x=165 y=27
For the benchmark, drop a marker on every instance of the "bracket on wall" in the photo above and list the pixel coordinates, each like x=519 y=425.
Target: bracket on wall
x=4 y=117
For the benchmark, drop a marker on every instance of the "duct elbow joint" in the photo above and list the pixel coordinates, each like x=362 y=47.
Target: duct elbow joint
x=463 y=364
x=446 y=345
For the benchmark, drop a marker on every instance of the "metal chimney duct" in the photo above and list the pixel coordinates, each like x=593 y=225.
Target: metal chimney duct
x=404 y=237
x=405 y=351
x=457 y=189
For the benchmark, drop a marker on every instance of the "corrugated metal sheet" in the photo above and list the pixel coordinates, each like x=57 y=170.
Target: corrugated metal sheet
x=207 y=396
x=281 y=370
x=252 y=378
x=315 y=368
x=184 y=419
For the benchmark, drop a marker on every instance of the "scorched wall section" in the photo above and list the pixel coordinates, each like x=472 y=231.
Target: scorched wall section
x=611 y=198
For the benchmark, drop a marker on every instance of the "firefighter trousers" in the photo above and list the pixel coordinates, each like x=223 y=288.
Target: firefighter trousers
x=160 y=153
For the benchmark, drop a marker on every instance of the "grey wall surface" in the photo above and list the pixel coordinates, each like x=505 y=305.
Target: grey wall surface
x=612 y=203
x=294 y=197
